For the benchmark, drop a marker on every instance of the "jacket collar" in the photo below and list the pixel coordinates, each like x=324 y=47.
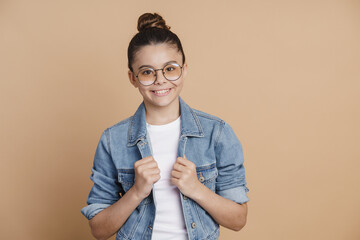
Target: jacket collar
x=190 y=124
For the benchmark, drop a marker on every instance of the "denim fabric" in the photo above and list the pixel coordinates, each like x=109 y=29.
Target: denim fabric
x=205 y=139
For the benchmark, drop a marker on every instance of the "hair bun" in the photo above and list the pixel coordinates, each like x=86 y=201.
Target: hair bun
x=148 y=20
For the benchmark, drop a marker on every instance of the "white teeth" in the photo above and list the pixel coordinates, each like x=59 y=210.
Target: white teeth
x=162 y=91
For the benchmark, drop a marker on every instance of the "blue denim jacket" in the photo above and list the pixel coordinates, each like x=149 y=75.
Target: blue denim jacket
x=205 y=139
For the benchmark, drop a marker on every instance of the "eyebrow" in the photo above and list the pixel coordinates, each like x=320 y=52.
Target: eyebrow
x=149 y=66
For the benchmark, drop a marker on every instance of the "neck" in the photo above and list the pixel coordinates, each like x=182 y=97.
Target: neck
x=156 y=115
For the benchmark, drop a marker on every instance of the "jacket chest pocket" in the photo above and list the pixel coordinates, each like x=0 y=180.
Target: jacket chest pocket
x=207 y=175
x=126 y=178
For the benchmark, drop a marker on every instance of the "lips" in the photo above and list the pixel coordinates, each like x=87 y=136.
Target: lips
x=161 y=92
x=161 y=89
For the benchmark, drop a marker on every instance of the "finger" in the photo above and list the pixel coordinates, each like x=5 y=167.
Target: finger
x=176 y=174
x=152 y=171
x=147 y=159
x=151 y=164
x=155 y=178
x=189 y=164
x=143 y=161
x=179 y=167
x=174 y=181
x=182 y=161
x=142 y=169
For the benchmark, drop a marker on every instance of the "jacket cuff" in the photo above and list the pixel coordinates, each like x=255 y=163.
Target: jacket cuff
x=237 y=194
x=91 y=210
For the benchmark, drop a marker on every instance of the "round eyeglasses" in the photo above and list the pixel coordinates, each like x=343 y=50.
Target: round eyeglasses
x=147 y=76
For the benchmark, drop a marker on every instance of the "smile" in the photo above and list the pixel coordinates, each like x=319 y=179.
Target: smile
x=162 y=92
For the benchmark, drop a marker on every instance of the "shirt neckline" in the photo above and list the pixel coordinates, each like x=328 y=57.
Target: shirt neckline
x=162 y=126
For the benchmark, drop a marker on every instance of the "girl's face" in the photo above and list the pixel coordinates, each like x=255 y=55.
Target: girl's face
x=157 y=56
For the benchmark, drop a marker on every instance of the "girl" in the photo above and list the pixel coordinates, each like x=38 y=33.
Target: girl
x=169 y=171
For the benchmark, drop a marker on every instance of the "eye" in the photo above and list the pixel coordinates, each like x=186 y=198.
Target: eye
x=170 y=68
x=146 y=72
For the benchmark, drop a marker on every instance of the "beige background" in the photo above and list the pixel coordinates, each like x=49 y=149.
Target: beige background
x=284 y=74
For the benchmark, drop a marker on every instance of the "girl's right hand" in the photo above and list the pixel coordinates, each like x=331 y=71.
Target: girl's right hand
x=147 y=173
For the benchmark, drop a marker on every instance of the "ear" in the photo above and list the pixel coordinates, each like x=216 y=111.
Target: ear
x=132 y=78
x=185 y=70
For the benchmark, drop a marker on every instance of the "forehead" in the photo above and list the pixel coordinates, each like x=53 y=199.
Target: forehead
x=157 y=55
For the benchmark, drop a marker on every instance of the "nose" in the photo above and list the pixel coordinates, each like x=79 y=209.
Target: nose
x=159 y=77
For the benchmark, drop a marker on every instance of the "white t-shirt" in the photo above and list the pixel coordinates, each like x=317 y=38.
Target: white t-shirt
x=169 y=219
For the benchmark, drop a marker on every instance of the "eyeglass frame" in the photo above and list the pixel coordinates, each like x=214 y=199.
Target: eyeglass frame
x=163 y=73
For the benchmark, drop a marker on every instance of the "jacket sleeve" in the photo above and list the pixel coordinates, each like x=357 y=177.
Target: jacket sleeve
x=106 y=188
x=231 y=181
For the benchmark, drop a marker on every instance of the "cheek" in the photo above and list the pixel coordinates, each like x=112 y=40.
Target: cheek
x=142 y=90
x=179 y=83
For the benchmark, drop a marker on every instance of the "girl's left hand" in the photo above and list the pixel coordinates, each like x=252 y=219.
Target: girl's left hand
x=184 y=177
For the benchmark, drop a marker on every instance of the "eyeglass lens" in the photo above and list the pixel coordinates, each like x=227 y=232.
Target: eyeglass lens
x=171 y=72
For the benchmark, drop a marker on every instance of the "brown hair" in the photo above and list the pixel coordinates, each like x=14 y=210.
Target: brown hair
x=152 y=30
